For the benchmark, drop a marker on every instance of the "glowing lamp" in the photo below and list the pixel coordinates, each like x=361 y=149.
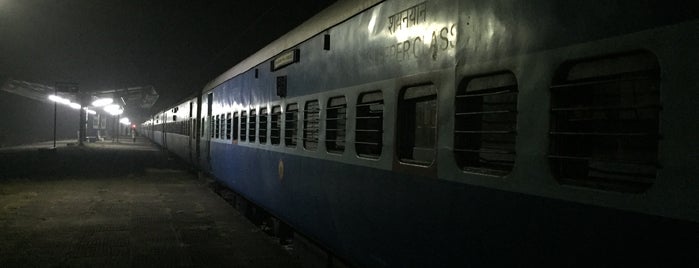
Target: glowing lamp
x=102 y=102
x=74 y=105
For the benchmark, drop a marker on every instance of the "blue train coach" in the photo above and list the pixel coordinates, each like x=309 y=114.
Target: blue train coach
x=465 y=133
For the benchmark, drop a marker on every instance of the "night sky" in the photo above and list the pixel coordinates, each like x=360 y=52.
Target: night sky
x=175 y=46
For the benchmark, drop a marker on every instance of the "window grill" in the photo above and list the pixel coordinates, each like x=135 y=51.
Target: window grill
x=311 y=125
x=243 y=125
x=236 y=121
x=605 y=122
x=291 y=125
x=222 y=129
x=263 y=125
x=276 y=125
x=252 y=125
x=369 y=125
x=228 y=126
x=212 y=120
x=336 y=125
x=218 y=127
x=485 y=123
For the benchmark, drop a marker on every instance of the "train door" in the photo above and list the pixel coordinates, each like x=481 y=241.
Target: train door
x=209 y=112
x=165 y=129
x=151 y=129
x=190 y=132
x=198 y=130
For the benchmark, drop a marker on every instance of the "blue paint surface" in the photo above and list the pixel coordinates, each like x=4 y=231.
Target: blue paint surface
x=388 y=219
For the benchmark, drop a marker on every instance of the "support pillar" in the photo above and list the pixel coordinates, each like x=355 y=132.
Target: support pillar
x=83 y=118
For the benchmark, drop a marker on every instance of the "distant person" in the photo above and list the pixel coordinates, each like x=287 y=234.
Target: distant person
x=133 y=135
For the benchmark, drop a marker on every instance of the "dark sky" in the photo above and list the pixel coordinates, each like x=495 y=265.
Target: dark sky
x=175 y=46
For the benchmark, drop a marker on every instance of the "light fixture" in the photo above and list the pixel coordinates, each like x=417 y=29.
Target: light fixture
x=102 y=102
x=89 y=111
x=125 y=121
x=74 y=105
x=54 y=98
x=59 y=99
x=116 y=112
x=113 y=109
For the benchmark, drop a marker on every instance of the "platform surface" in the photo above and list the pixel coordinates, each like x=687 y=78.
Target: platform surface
x=119 y=205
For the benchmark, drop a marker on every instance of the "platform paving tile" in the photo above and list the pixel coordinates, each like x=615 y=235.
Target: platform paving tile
x=140 y=218
x=44 y=226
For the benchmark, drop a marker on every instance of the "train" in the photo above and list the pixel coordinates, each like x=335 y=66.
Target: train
x=461 y=133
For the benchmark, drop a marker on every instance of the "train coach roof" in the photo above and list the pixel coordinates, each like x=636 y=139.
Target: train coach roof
x=331 y=16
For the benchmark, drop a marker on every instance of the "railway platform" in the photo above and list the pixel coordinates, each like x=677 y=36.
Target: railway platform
x=125 y=204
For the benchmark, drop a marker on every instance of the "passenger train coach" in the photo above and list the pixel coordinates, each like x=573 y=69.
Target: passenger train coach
x=465 y=133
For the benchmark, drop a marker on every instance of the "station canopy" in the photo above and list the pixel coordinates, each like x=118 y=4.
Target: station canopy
x=136 y=98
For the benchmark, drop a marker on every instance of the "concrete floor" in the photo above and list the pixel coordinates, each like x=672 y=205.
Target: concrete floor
x=119 y=205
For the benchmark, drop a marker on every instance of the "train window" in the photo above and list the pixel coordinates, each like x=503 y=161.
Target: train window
x=211 y=126
x=236 y=120
x=291 y=124
x=605 y=122
x=336 y=125
x=311 y=125
x=276 y=125
x=252 y=125
x=485 y=123
x=218 y=127
x=369 y=125
x=193 y=128
x=263 y=125
x=228 y=126
x=417 y=125
x=209 y=113
x=243 y=125
x=223 y=126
